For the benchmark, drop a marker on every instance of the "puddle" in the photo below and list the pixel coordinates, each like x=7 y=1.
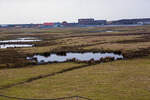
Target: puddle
x=108 y=31
x=4 y=46
x=111 y=31
x=27 y=39
x=69 y=56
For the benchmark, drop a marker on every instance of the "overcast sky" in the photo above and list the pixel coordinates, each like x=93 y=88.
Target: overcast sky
x=39 y=11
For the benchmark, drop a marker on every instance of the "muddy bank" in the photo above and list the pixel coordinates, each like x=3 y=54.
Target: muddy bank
x=142 y=52
x=10 y=58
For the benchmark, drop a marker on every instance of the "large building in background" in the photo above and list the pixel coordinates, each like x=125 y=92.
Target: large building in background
x=86 y=21
x=100 y=22
x=91 y=21
x=131 y=21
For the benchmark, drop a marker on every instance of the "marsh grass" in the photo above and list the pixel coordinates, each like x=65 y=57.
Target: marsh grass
x=118 y=80
x=11 y=76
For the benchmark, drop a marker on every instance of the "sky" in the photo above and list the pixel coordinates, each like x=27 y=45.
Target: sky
x=39 y=11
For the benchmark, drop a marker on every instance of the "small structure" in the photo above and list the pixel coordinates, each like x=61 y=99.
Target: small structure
x=66 y=24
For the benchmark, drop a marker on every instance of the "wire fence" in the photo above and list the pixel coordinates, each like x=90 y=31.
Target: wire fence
x=63 y=98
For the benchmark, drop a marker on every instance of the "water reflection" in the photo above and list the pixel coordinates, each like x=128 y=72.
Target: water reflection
x=4 y=46
x=27 y=39
x=78 y=56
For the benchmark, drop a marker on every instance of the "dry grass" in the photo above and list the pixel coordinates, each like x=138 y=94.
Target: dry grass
x=11 y=76
x=119 y=80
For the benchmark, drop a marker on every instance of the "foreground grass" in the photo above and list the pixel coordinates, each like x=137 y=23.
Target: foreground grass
x=2 y=98
x=119 y=80
x=11 y=76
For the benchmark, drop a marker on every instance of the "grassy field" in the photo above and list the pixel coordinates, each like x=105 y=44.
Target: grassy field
x=119 y=80
x=127 y=79
x=11 y=76
x=128 y=40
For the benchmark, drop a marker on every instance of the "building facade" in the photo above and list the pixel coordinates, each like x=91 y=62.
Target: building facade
x=91 y=21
